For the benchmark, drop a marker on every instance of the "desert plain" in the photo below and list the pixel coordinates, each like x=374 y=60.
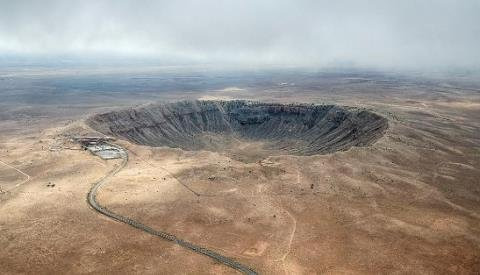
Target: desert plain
x=408 y=203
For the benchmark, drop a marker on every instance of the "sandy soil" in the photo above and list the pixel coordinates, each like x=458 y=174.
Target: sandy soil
x=410 y=203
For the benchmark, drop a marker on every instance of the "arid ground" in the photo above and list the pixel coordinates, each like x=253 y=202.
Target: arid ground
x=408 y=204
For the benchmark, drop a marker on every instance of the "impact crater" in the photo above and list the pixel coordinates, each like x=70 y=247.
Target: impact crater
x=244 y=127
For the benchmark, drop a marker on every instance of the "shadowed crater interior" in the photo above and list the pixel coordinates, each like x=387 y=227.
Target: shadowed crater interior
x=244 y=127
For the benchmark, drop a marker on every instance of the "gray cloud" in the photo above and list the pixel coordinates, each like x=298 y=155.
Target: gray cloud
x=421 y=33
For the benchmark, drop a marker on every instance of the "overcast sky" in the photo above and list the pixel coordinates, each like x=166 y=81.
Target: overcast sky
x=405 y=33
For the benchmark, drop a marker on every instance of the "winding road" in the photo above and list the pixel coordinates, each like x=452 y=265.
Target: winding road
x=92 y=201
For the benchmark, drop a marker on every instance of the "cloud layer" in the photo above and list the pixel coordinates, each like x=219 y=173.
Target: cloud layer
x=425 y=33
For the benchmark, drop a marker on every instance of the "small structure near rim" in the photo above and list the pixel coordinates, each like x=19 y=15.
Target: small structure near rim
x=86 y=141
x=100 y=147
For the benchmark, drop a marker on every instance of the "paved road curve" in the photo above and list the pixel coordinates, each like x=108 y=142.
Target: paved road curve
x=92 y=200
